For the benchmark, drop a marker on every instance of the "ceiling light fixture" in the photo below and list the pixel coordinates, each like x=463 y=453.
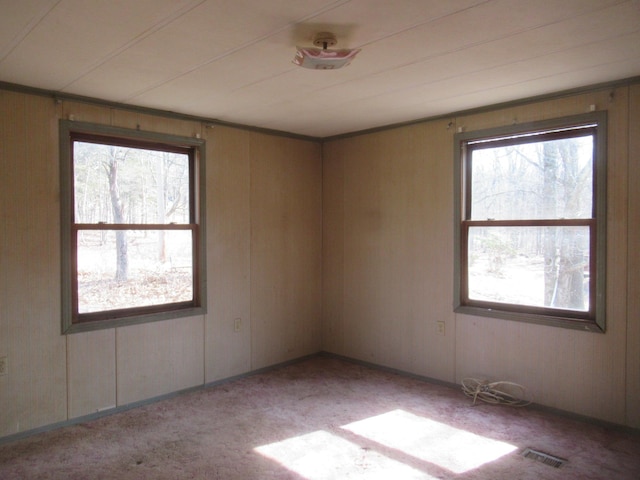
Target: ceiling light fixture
x=324 y=58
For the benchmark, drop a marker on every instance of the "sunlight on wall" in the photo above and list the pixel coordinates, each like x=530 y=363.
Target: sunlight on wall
x=321 y=455
x=451 y=448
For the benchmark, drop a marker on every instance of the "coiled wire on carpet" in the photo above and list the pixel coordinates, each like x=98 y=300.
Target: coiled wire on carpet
x=494 y=392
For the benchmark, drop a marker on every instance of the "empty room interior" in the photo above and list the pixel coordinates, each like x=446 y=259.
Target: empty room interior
x=320 y=239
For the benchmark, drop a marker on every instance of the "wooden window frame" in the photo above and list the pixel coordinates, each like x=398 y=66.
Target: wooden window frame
x=594 y=123
x=72 y=131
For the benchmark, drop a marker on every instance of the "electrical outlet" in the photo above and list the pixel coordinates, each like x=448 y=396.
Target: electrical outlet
x=237 y=324
x=440 y=327
x=4 y=368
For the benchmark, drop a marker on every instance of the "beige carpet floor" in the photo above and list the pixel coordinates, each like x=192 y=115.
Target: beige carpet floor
x=324 y=418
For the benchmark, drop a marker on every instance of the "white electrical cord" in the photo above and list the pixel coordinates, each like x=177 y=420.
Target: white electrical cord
x=494 y=392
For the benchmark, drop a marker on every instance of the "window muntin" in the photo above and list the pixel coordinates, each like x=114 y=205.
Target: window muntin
x=132 y=219
x=531 y=223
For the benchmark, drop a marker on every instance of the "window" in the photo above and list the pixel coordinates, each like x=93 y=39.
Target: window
x=132 y=216
x=530 y=222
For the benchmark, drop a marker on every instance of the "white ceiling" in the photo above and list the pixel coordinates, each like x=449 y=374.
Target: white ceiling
x=230 y=60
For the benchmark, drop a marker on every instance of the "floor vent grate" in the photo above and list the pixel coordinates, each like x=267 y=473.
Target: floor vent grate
x=555 y=462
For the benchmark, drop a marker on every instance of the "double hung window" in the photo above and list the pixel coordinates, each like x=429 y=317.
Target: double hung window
x=132 y=220
x=531 y=222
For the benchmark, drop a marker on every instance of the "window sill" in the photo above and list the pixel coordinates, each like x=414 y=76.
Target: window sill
x=548 y=320
x=89 y=326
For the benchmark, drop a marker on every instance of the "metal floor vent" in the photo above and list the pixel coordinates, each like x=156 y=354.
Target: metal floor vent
x=555 y=462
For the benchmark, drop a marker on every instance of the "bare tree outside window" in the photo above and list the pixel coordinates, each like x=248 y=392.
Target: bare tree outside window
x=132 y=226
x=528 y=223
x=111 y=166
x=541 y=266
x=131 y=264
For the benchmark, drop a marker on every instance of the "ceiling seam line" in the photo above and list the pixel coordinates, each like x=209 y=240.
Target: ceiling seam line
x=29 y=27
x=139 y=38
x=236 y=49
x=502 y=65
x=468 y=45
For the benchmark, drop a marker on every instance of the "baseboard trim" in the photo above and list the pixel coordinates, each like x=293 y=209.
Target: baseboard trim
x=14 y=437
x=383 y=368
x=129 y=406
x=533 y=406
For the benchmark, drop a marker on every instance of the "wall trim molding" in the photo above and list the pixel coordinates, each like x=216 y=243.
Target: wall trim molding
x=14 y=437
x=533 y=406
x=493 y=107
x=208 y=122
x=212 y=122
x=123 y=408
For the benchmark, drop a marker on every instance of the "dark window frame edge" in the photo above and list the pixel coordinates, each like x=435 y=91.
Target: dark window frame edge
x=65 y=129
x=600 y=118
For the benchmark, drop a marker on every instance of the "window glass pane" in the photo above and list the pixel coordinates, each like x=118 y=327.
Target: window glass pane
x=539 y=180
x=114 y=184
x=156 y=269
x=534 y=266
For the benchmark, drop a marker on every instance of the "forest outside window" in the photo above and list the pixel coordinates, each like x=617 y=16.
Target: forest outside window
x=132 y=226
x=530 y=210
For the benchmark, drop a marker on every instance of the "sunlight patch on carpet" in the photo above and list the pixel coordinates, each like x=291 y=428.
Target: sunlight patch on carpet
x=438 y=443
x=321 y=455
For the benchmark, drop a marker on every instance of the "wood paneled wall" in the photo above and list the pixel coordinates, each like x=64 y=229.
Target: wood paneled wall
x=286 y=246
x=633 y=262
x=388 y=265
x=388 y=243
x=264 y=208
x=34 y=392
x=345 y=247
